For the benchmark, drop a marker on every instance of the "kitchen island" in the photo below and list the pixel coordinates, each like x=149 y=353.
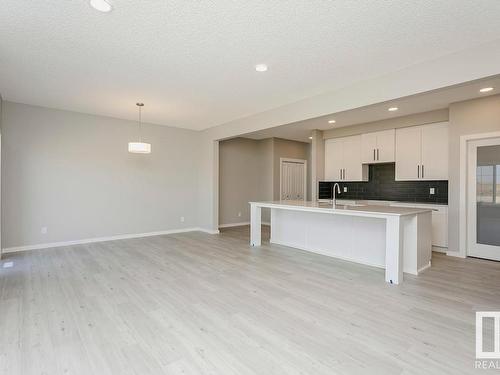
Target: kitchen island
x=395 y=238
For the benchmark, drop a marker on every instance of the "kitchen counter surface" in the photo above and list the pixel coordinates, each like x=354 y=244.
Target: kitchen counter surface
x=343 y=209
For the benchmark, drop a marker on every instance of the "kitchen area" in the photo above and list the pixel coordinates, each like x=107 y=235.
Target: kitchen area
x=381 y=200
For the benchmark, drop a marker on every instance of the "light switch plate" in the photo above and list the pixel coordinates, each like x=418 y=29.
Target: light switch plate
x=432 y=191
x=345 y=189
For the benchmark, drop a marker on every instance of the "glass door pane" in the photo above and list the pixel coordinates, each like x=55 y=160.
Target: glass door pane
x=488 y=195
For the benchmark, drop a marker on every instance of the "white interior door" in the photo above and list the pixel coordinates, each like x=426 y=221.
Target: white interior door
x=293 y=179
x=483 y=198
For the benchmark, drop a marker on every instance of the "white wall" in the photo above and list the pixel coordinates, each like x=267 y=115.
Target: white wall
x=1 y=119
x=469 y=117
x=72 y=173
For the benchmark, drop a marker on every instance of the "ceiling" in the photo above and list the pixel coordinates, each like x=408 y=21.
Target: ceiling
x=429 y=101
x=192 y=62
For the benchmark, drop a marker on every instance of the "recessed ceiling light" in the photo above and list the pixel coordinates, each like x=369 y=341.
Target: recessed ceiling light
x=310 y=137
x=392 y=109
x=486 y=89
x=332 y=121
x=261 y=67
x=101 y=5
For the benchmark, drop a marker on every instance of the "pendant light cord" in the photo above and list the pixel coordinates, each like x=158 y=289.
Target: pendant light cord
x=140 y=124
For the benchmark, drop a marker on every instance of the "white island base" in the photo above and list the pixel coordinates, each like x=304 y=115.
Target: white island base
x=395 y=238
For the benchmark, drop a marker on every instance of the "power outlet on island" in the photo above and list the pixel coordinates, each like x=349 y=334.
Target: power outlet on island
x=43 y=230
x=239 y=214
x=182 y=219
x=432 y=191
x=345 y=189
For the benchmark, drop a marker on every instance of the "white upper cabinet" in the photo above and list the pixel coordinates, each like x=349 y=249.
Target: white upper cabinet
x=378 y=147
x=422 y=152
x=333 y=159
x=408 y=146
x=435 y=152
x=343 y=160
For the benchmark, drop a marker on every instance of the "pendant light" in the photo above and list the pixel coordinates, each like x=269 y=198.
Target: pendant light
x=139 y=147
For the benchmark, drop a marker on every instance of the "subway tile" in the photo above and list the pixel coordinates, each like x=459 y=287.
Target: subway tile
x=382 y=186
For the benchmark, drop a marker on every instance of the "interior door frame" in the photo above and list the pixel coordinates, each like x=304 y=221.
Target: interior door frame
x=472 y=146
x=298 y=161
x=464 y=139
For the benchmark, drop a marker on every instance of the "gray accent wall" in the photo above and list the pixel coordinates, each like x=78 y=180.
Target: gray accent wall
x=469 y=117
x=71 y=173
x=245 y=174
x=249 y=170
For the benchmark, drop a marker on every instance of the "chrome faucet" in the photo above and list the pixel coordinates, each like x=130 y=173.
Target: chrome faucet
x=336 y=185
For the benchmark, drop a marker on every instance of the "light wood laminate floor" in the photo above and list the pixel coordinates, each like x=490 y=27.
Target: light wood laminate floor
x=195 y=303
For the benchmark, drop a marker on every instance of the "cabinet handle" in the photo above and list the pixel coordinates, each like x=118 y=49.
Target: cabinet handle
x=418 y=171
x=344 y=173
x=422 y=171
x=373 y=154
x=378 y=154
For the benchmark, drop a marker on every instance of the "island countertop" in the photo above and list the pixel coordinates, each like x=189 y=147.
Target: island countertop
x=342 y=209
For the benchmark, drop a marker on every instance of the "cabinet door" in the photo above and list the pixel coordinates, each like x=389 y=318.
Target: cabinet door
x=353 y=165
x=435 y=152
x=368 y=148
x=408 y=151
x=385 y=146
x=440 y=228
x=333 y=159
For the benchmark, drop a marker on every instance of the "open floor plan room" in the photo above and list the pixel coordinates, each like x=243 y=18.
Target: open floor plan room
x=249 y=188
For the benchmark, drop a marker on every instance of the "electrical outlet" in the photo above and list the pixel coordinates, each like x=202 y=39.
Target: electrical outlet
x=239 y=214
x=43 y=230
x=182 y=219
x=345 y=189
x=432 y=191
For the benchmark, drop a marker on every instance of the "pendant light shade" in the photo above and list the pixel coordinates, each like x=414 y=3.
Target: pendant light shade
x=139 y=147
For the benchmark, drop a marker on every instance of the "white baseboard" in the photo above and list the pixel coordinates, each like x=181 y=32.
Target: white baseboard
x=455 y=254
x=421 y=269
x=104 y=239
x=438 y=249
x=241 y=224
x=209 y=231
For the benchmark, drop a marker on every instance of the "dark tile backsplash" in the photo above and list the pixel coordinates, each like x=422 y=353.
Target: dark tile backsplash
x=382 y=186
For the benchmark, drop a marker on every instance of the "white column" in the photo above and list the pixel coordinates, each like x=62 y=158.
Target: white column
x=394 y=250
x=255 y=224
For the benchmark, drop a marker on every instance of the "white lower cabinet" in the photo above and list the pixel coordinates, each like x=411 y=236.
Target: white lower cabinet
x=439 y=223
